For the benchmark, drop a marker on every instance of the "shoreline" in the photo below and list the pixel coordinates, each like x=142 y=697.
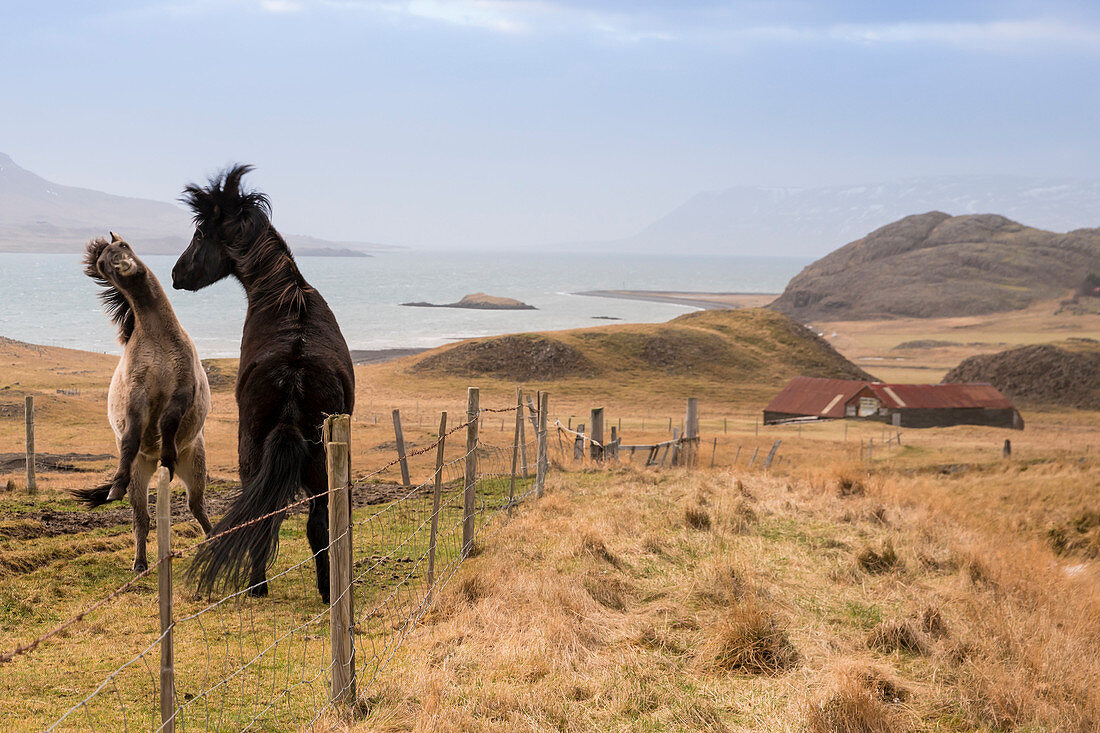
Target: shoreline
x=360 y=357
x=701 y=300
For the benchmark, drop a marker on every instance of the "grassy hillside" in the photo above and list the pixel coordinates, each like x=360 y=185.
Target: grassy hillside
x=935 y=265
x=828 y=601
x=715 y=350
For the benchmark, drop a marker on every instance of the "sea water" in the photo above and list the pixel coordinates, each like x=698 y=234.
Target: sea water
x=46 y=299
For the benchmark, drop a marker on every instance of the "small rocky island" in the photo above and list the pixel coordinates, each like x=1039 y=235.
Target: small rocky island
x=480 y=301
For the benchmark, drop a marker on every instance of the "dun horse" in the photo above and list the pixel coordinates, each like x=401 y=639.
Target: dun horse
x=159 y=396
x=295 y=369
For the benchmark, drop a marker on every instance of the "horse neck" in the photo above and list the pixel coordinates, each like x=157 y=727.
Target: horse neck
x=152 y=311
x=270 y=277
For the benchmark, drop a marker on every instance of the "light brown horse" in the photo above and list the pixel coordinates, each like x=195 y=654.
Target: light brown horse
x=159 y=394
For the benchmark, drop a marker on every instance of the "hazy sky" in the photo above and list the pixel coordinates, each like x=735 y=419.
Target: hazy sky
x=496 y=122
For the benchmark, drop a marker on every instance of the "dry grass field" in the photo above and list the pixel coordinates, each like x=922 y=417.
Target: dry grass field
x=936 y=586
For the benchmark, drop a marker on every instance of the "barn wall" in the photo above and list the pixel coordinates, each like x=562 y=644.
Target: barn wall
x=944 y=416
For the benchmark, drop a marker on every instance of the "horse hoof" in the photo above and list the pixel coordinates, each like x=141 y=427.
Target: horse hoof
x=140 y=566
x=258 y=591
x=116 y=493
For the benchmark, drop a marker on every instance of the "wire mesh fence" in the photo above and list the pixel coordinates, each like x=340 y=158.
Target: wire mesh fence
x=267 y=663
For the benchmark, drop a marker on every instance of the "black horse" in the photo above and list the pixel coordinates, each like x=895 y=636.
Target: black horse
x=295 y=369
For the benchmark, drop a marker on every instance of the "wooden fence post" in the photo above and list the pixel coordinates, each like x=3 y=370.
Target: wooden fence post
x=595 y=444
x=164 y=596
x=691 y=433
x=713 y=451
x=400 y=437
x=341 y=618
x=578 y=443
x=32 y=482
x=753 y=459
x=436 y=496
x=543 y=464
x=521 y=426
x=469 y=494
x=515 y=449
x=736 y=457
x=771 y=454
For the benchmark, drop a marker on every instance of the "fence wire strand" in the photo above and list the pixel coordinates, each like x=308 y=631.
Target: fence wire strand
x=265 y=663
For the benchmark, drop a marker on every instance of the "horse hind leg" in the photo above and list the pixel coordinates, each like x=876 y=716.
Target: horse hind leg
x=142 y=471
x=191 y=469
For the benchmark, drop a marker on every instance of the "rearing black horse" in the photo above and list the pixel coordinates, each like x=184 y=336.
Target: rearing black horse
x=295 y=369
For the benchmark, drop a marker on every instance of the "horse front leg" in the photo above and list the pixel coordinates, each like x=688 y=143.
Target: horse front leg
x=169 y=425
x=143 y=469
x=128 y=448
x=192 y=471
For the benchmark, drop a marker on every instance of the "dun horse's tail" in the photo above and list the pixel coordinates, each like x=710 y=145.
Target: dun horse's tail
x=92 y=497
x=226 y=560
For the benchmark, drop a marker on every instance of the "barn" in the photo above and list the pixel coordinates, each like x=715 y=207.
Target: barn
x=904 y=405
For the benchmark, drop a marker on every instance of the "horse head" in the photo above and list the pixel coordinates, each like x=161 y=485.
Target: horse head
x=115 y=268
x=227 y=220
x=112 y=262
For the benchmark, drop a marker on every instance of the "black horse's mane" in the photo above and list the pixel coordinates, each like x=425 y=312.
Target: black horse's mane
x=242 y=218
x=116 y=305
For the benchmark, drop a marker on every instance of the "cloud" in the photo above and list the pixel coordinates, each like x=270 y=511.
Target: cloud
x=280 y=6
x=713 y=22
x=1000 y=33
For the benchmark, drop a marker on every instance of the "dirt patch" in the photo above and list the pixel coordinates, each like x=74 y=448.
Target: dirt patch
x=520 y=357
x=1041 y=374
x=52 y=462
x=51 y=522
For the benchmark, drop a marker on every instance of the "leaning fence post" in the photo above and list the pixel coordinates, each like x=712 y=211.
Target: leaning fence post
x=515 y=447
x=400 y=438
x=521 y=427
x=771 y=454
x=164 y=597
x=340 y=589
x=436 y=495
x=32 y=483
x=469 y=494
x=543 y=464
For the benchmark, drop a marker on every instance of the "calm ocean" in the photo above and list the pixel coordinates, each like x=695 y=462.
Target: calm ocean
x=46 y=299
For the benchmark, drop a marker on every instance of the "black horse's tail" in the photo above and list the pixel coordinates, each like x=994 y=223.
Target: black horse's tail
x=226 y=560
x=92 y=497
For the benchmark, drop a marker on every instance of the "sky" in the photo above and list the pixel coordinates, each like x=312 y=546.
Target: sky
x=520 y=123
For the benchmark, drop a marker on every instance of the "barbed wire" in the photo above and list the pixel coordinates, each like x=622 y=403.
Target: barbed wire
x=256 y=667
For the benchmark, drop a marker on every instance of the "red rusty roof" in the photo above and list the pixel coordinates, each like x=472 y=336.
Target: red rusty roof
x=826 y=398
x=812 y=396
x=926 y=396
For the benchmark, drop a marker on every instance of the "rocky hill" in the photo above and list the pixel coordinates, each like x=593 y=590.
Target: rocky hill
x=1050 y=375
x=734 y=349
x=935 y=265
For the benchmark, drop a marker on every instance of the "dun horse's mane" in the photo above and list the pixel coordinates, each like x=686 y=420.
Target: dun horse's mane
x=243 y=219
x=116 y=305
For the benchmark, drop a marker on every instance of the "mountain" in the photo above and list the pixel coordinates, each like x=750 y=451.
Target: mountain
x=37 y=215
x=932 y=265
x=808 y=222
